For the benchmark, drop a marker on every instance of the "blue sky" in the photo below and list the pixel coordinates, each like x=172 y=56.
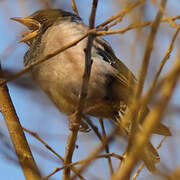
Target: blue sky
x=36 y=111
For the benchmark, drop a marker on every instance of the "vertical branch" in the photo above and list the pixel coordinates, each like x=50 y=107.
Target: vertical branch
x=150 y=122
x=106 y=146
x=165 y=58
x=74 y=7
x=21 y=147
x=126 y=171
x=148 y=49
x=93 y=155
x=88 y=60
x=76 y=118
x=70 y=146
x=144 y=67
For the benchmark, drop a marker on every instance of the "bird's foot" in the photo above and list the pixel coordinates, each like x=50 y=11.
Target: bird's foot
x=76 y=124
x=84 y=127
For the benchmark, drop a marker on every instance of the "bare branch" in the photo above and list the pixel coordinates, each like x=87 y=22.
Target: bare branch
x=119 y=16
x=78 y=114
x=93 y=155
x=107 y=155
x=151 y=121
x=23 y=152
x=106 y=146
x=74 y=7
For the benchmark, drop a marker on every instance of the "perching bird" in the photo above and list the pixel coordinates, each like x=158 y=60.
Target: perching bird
x=109 y=90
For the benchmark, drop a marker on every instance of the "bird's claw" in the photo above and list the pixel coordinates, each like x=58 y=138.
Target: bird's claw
x=84 y=128
x=81 y=125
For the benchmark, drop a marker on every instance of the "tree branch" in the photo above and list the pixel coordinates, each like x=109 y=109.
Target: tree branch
x=23 y=152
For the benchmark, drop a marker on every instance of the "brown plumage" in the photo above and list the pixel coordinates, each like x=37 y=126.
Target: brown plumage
x=61 y=76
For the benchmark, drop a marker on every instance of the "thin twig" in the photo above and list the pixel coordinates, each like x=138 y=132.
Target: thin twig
x=122 y=30
x=106 y=146
x=74 y=7
x=120 y=15
x=124 y=12
x=35 y=135
x=148 y=50
x=165 y=58
x=144 y=67
x=171 y=22
x=150 y=122
x=126 y=171
x=70 y=146
x=142 y=102
x=150 y=91
x=107 y=155
x=88 y=60
x=91 y=157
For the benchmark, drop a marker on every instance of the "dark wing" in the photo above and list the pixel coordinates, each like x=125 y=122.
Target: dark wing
x=127 y=83
x=126 y=78
x=105 y=50
x=123 y=82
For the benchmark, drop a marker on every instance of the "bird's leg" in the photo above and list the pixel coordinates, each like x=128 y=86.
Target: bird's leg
x=73 y=122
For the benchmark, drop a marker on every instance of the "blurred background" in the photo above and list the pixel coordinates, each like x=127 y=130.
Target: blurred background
x=37 y=113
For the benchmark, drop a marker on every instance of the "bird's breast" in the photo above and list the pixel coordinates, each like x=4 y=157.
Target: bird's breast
x=61 y=76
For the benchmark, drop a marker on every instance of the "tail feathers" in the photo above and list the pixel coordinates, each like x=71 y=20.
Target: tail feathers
x=162 y=130
x=150 y=157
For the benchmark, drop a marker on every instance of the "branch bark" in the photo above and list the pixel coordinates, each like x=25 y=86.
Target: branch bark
x=76 y=118
x=151 y=121
x=23 y=152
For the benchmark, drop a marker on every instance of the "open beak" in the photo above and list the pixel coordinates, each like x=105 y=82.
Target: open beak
x=31 y=24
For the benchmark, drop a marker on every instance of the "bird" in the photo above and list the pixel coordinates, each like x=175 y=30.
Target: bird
x=109 y=90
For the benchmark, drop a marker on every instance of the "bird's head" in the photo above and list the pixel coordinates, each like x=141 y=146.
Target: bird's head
x=39 y=20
